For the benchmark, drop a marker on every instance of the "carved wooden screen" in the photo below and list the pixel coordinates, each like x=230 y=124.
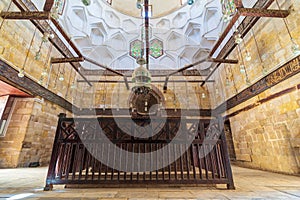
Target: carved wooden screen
x=78 y=144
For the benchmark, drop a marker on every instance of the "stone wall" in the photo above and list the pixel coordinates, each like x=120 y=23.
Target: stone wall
x=268 y=135
x=39 y=137
x=180 y=95
x=31 y=130
x=30 y=134
x=11 y=144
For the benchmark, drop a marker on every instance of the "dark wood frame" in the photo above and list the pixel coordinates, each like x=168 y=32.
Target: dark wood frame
x=72 y=164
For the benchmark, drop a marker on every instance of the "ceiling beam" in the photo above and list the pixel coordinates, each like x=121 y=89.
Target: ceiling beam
x=66 y=60
x=224 y=34
x=108 y=69
x=10 y=75
x=48 y=5
x=154 y=72
x=43 y=26
x=258 y=12
x=26 y=15
x=216 y=60
x=153 y=81
x=197 y=63
x=66 y=37
x=243 y=28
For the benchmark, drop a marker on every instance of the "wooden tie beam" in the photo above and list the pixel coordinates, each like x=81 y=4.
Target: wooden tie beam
x=66 y=60
x=197 y=63
x=249 y=21
x=34 y=15
x=108 y=69
x=258 y=12
x=43 y=26
x=10 y=75
x=153 y=81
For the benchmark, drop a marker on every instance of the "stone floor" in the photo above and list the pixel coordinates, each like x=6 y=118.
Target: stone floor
x=250 y=184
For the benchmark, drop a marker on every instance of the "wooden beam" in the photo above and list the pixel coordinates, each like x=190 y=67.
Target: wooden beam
x=48 y=5
x=153 y=81
x=27 y=15
x=124 y=112
x=154 y=73
x=66 y=37
x=66 y=60
x=243 y=28
x=225 y=33
x=197 y=63
x=228 y=61
x=259 y=12
x=102 y=66
x=289 y=69
x=43 y=26
x=108 y=69
x=10 y=75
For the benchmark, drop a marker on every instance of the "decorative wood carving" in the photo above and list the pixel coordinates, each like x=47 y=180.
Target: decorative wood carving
x=10 y=75
x=79 y=143
x=243 y=29
x=289 y=69
x=286 y=71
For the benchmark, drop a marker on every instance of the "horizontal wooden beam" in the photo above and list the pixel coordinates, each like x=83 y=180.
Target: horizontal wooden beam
x=260 y=12
x=154 y=72
x=10 y=75
x=43 y=26
x=102 y=66
x=286 y=71
x=153 y=81
x=197 y=63
x=244 y=28
x=108 y=69
x=66 y=60
x=228 y=61
x=26 y=15
x=125 y=111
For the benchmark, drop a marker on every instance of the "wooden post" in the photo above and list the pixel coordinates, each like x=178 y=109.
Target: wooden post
x=230 y=184
x=52 y=164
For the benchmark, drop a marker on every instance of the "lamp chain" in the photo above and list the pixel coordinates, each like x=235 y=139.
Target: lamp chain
x=8 y=8
x=285 y=21
x=30 y=45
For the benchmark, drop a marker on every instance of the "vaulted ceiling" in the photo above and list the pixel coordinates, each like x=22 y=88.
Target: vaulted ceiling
x=104 y=33
x=160 y=8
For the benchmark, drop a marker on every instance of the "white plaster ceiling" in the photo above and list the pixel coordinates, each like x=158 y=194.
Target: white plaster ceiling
x=160 y=7
x=104 y=34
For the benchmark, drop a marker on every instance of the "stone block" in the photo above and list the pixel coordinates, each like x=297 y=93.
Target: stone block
x=243 y=157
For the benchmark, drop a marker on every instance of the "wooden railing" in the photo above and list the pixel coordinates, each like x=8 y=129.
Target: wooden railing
x=80 y=148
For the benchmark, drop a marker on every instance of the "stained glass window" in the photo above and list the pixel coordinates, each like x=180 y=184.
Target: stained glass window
x=136 y=49
x=156 y=48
